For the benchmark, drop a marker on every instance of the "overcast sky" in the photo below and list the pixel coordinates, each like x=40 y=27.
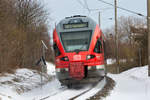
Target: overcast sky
x=60 y=9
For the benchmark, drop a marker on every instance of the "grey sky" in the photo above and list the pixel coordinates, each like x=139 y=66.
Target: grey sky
x=59 y=9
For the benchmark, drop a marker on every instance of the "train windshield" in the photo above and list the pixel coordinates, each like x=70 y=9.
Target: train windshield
x=73 y=41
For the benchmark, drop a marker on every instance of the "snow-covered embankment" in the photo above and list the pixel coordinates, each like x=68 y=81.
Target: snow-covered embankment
x=133 y=84
x=25 y=84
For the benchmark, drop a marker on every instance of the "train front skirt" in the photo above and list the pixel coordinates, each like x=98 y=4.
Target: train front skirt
x=92 y=74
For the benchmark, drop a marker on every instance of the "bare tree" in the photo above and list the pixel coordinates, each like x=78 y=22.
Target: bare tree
x=128 y=49
x=22 y=27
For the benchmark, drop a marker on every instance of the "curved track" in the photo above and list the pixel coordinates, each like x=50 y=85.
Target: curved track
x=71 y=94
x=59 y=91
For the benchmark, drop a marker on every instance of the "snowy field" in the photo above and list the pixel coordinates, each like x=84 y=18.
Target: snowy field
x=133 y=84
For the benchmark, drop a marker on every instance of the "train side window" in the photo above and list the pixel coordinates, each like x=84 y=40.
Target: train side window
x=56 y=49
x=98 y=46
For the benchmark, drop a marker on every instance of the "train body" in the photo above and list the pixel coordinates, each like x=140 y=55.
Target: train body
x=79 y=48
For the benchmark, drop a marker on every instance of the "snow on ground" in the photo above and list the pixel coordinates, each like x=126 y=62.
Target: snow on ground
x=69 y=93
x=94 y=90
x=110 y=61
x=133 y=84
x=51 y=69
x=25 y=84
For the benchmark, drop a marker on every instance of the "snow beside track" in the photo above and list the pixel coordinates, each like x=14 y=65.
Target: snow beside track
x=70 y=93
x=95 y=90
x=25 y=84
x=133 y=84
x=110 y=61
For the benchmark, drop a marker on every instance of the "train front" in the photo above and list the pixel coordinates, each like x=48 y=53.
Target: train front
x=78 y=46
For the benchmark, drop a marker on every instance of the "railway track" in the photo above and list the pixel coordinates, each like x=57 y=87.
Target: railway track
x=73 y=98
x=64 y=92
x=90 y=92
x=59 y=91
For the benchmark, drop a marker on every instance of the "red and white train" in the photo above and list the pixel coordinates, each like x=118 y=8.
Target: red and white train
x=79 y=49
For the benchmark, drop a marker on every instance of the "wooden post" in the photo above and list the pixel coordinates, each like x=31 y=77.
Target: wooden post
x=116 y=36
x=148 y=27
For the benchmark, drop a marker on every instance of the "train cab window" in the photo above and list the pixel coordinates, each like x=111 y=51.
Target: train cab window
x=98 y=46
x=76 y=41
x=56 y=49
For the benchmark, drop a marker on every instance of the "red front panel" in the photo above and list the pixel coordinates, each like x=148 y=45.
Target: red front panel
x=76 y=70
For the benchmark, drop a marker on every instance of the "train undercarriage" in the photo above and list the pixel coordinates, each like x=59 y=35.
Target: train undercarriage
x=92 y=74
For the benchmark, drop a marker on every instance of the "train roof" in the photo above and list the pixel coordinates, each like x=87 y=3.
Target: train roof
x=76 y=20
x=79 y=18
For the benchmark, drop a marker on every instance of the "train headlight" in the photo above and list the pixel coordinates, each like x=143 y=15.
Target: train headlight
x=64 y=58
x=89 y=57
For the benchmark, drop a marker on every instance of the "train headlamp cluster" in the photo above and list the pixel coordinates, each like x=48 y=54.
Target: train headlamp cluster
x=89 y=57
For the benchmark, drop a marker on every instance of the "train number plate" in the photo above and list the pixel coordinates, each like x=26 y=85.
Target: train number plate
x=77 y=57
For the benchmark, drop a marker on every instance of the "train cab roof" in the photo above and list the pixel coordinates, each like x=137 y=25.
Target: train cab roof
x=77 y=19
x=76 y=22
